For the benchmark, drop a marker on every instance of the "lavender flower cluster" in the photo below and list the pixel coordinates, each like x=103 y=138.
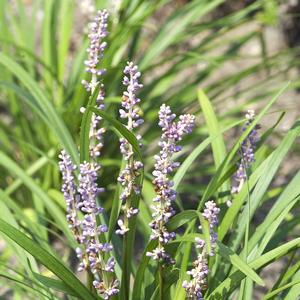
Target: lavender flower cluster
x=129 y=174
x=246 y=154
x=194 y=288
x=172 y=133
x=82 y=198
x=97 y=32
x=69 y=190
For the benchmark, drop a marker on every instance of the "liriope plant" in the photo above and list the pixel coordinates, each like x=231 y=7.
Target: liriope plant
x=207 y=252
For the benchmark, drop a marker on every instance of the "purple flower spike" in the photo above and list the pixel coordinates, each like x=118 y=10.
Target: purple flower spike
x=199 y=274
x=172 y=133
x=88 y=189
x=91 y=252
x=194 y=288
x=67 y=169
x=97 y=32
x=130 y=100
x=210 y=213
x=131 y=171
x=246 y=153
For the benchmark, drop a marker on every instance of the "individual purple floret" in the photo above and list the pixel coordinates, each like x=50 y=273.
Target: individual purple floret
x=172 y=133
x=246 y=153
x=131 y=171
x=194 y=288
x=108 y=292
x=97 y=32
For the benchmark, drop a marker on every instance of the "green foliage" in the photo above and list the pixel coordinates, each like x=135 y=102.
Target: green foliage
x=41 y=68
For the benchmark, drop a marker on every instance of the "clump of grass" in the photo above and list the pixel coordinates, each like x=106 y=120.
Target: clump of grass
x=43 y=97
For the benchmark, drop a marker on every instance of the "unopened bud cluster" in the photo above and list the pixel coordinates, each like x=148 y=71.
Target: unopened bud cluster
x=194 y=288
x=130 y=111
x=246 y=154
x=97 y=32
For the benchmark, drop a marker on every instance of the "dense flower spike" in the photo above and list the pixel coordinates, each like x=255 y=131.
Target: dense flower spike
x=88 y=189
x=67 y=169
x=91 y=252
x=211 y=213
x=129 y=174
x=199 y=274
x=172 y=133
x=194 y=288
x=246 y=153
x=97 y=32
x=130 y=100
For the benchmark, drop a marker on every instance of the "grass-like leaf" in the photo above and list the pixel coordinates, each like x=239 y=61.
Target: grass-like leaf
x=175 y=26
x=55 y=211
x=234 y=279
x=129 y=136
x=218 y=145
x=187 y=163
x=85 y=128
x=55 y=284
x=280 y=289
x=44 y=104
x=48 y=260
x=236 y=261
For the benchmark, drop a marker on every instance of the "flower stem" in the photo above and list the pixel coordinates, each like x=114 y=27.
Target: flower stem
x=125 y=269
x=90 y=279
x=161 y=281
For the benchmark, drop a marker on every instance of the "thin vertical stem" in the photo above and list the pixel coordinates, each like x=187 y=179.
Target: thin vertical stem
x=244 y=289
x=248 y=221
x=125 y=269
x=90 y=279
x=247 y=205
x=161 y=281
